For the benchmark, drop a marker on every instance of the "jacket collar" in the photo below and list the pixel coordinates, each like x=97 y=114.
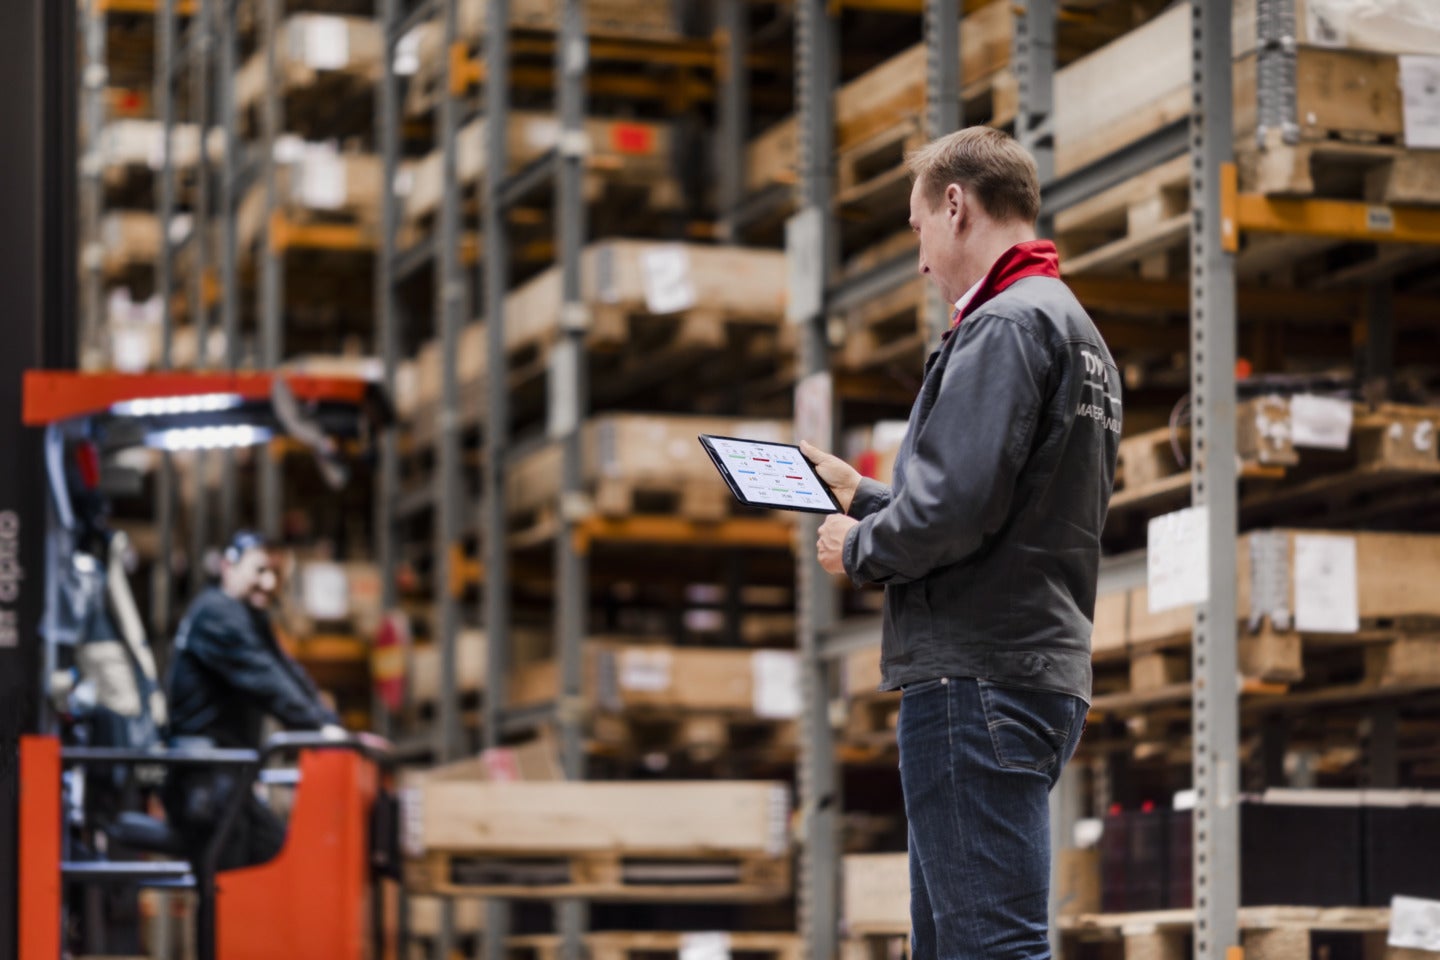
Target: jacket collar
x=1033 y=258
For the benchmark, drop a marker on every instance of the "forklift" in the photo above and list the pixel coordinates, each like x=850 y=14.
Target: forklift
x=317 y=897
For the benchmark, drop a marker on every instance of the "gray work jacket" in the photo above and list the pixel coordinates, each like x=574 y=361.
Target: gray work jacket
x=988 y=542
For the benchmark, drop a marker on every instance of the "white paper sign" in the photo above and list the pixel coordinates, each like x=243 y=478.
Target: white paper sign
x=775 y=679
x=1327 y=597
x=668 y=287
x=321 y=181
x=1177 y=561
x=1321 y=422
x=327 y=43
x=1414 y=923
x=1420 y=92
x=645 y=670
x=325 y=591
x=412 y=822
x=705 y=946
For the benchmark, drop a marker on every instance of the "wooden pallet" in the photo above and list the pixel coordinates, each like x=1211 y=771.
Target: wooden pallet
x=606 y=877
x=1340 y=170
x=1392 y=448
x=620 y=945
x=1135 y=227
x=1268 y=933
x=700 y=737
x=1105 y=101
x=328 y=67
x=1148 y=471
x=623 y=154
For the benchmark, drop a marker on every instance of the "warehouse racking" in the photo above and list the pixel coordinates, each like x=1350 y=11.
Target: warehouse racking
x=1195 y=152
x=1182 y=159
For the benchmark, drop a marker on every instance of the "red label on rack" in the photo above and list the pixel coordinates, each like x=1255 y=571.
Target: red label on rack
x=632 y=138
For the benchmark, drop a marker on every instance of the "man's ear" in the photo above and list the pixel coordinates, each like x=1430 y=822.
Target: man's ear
x=956 y=206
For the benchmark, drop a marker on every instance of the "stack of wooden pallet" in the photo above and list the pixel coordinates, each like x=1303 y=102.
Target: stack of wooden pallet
x=608 y=841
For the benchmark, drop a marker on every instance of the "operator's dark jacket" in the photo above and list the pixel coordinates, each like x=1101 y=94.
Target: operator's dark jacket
x=988 y=543
x=227 y=672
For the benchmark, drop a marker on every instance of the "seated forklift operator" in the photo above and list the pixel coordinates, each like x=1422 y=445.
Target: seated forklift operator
x=227 y=672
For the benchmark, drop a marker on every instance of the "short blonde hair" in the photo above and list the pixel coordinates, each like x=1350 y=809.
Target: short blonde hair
x=985 y=161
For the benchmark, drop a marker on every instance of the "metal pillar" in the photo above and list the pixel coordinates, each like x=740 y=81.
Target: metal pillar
x=569 y=400
x=944 y=113
x=161 y=584
x=1033 y=57
x=818 y=892
x=1213 y=487
x=38 y=274
x=1067 y=802
x=271 y=264
x=450 y=300
x=1378 y=365
x=202 y=33
x=229 y=251
x=387 y=334
x=494 y=281
x=95 y=79
x=451 y=296
x=734 y=107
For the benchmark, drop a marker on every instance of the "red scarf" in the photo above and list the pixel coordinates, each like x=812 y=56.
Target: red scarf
x=1033 y=258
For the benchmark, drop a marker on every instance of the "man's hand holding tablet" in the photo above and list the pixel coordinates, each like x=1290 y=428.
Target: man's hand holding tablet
x=839 y=476
x=787 y=477
x=843 y=480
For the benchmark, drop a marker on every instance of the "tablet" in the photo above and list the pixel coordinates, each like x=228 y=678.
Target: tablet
x=774 y=475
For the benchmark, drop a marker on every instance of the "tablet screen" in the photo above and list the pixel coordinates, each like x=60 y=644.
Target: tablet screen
x=770 y=474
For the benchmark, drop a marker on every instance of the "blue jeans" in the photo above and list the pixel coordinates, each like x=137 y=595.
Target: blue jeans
x=977 y=762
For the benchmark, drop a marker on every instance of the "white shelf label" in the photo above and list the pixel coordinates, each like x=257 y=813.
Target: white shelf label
x=1327 y=596
x=1420 y=93
x=1414 y=923
x=321 y=181
x=327 y=43
x=775 y=679
x=645 y=670
x=325 y=591
x=1177 y=561
x=1321 y=422
x=668 y=285
x=705 y=946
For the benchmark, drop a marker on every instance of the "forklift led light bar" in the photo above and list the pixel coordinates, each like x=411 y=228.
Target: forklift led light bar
x=164 y=406
x=208 y=438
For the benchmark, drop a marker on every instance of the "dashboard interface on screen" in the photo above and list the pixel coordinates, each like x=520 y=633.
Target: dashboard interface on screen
x=772 y=475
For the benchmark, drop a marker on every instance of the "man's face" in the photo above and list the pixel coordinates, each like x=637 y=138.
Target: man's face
x=938 y=228
x=251 y=578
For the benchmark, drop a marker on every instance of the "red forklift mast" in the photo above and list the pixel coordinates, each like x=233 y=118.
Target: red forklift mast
x=38 y=287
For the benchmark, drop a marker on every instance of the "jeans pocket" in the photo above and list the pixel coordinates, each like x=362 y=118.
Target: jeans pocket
x=1029 y=729
x=921 y=686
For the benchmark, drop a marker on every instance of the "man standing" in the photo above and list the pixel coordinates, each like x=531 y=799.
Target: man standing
x=988 y=544
x=227 y=672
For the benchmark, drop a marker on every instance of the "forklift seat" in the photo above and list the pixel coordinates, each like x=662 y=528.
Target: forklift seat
x=138 y=831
